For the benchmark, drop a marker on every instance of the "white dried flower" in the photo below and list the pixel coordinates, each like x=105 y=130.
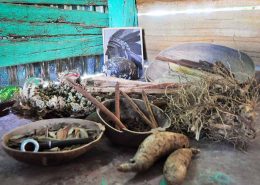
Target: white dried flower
x=53 y=102
x=76 y=107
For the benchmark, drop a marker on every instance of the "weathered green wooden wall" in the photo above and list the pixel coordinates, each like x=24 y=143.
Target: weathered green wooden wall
x=122 y=13
x=49 y=36
x=33 y=33
x=42 y=49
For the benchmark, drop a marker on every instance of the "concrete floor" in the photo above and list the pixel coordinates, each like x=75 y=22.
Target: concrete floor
x=218 y=164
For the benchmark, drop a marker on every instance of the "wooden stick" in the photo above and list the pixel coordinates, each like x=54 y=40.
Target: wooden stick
x=117 y=102
x=161 y=86
x=130 y=90
x=104 y=82
x=136 y=109
x=149 y=109
x=96 y=103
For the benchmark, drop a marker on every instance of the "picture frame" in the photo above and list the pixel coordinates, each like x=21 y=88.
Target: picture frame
x=126 y=42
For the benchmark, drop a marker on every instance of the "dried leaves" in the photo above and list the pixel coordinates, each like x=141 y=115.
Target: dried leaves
x=56 y=133
x=62 y=133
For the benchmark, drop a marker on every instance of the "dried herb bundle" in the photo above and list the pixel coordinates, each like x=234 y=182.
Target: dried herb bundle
x=54 y=100
x=216 y=107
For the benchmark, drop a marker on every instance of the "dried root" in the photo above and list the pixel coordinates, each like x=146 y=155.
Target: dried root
x=152 y=148
x=176 y=165
x=216 y=107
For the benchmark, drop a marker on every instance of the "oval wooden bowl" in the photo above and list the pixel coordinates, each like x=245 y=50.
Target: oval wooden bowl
x=131 y=138
x=50 y=158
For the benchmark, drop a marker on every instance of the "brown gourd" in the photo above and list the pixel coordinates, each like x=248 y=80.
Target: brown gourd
x=176 y=165
x=152 y=148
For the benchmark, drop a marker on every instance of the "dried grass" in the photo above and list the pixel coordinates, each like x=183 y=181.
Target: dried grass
x=216 y=107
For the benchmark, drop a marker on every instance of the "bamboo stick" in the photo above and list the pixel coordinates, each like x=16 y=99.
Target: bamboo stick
x=149 y=109
x=136 y=109
x=96 y=103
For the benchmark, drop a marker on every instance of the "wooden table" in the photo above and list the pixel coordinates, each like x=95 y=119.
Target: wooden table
x=218 y=164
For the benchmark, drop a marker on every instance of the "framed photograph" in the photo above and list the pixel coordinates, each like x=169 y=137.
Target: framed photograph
x=126 y=43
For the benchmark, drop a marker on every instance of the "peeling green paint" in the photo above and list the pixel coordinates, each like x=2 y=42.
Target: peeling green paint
x=27 y=13
x=50 y=33
x=44 y=49
x=8 y=28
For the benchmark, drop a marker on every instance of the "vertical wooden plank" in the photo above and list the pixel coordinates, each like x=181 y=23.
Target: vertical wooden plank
x=122 y=13
x=70 y=64
x=37 y=70
x=21 y=74
x=12 y=71
x=4 y=77
x=85 y=61
x=52 y=71
x=97 y=64
x=28 y=71
x=101 y=63
x=78 y=65
x=91 y=62
x=31 y=67
x=64 y=65
x=83 y=65
x=58 y=66
x=44 y=70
